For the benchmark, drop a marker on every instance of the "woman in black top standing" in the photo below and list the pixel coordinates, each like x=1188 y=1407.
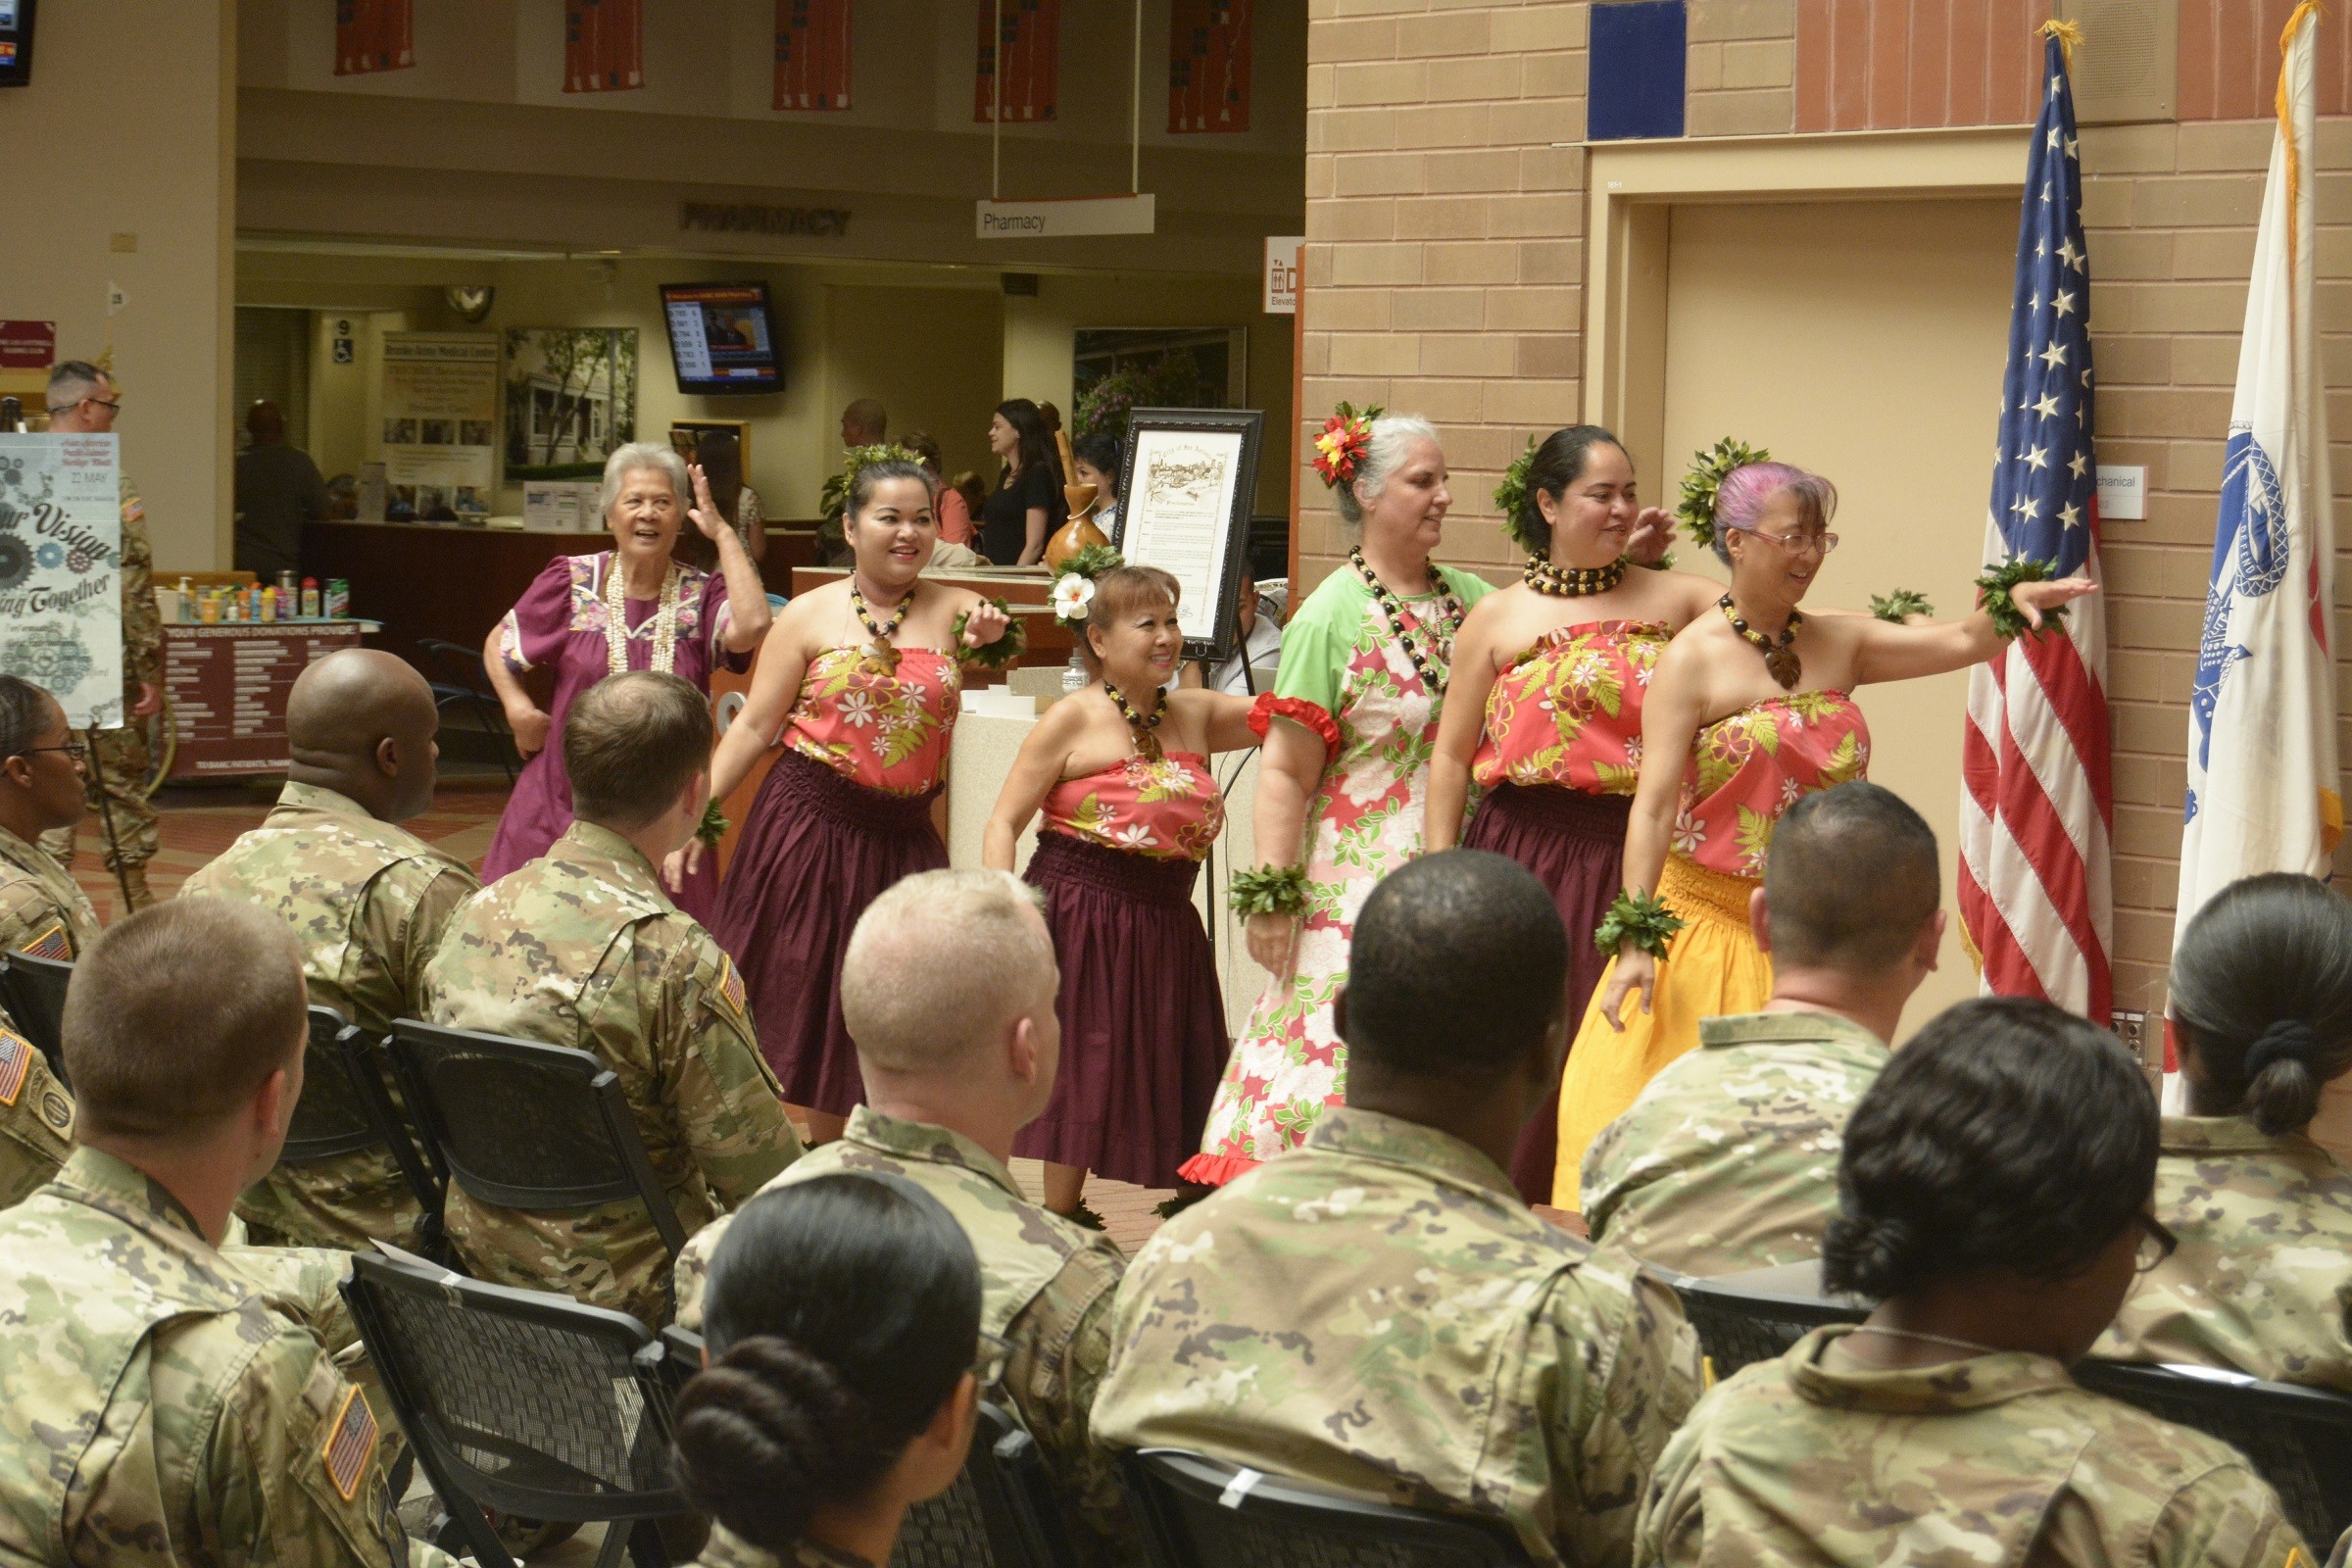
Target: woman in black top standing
x=1026 y=507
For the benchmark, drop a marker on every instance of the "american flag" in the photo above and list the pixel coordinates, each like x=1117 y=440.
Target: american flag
x=2034 y=879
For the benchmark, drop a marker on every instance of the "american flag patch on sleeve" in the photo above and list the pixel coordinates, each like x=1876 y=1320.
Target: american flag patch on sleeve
x=731 y=984
x=350 y=1445
x=16 y=1061
x=51 y=942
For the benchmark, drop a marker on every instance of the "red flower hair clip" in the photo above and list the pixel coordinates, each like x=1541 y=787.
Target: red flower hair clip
x=1347 y=437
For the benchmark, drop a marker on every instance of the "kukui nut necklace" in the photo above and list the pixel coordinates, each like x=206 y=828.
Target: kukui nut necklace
x=665 y=620
x=1430 y=665
x=1571 y=582
x=880 y=657
x=1147 y=743
x=1780 y=658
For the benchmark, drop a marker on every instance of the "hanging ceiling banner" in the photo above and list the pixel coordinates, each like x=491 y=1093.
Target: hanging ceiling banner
x=373 y=36
x=813 y=54
x=1208 y=66
x=604 y=45
x=1056 y=218
x=1029 y=46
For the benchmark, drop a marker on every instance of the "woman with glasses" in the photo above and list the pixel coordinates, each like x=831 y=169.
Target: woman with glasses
x=843 y=1365
x=1750 y=710
x=1993 y=1203
x=2262 y=1005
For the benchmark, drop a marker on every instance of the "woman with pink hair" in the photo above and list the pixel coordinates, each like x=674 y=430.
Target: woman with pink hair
x=1750 y=711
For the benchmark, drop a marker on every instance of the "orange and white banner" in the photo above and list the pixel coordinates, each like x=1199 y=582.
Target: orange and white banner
x=1208 y=66
x=604 y=45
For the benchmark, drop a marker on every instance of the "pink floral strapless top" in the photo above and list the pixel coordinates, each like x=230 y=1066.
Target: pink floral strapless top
x=1748 y=767
x=1568 y=711
x=888 y=731
x=1164 y=810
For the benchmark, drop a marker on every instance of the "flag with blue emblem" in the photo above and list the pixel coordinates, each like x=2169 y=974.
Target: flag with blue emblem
x=2262 y=780
x=2037 y=805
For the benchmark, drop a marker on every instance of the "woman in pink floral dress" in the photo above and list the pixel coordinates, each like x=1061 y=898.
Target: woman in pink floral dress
x=1122 y=772
x=1750 y=711
x=1344 y=783
x=860 y=680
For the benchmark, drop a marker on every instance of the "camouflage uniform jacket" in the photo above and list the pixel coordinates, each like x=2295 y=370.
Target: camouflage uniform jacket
x=142 y=620
x=43 y=912
x=1046 y=1286
x=1729 y=1160
x=1798 y=1461
x=42 y=909
x=581 y=947
x=730 y=1551
x=1379 y=1312
x=369 y=903
x=2263 y=1280
x=155 y=1408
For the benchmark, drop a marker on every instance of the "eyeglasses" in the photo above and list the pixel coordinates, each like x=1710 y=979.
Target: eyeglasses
x=110 y=405
x=1799 y=543
x=988 y=1360
x=2156 y=1244
x=76 y=750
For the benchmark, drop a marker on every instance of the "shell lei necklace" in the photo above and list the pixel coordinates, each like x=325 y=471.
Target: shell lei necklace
x=1780 y=658
x=1430 y=665
x=665 y=620
x=879 y=655
x=1147 y=743
x=1571 y=582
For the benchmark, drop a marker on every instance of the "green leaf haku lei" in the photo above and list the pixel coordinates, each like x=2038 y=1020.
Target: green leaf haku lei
x=991 y=656
x=1511 y=495
x=1269 y=890
x=714 y=826
x=1992 y=597
x=1696 y=505
x=1640 y=918
x=1900 y=605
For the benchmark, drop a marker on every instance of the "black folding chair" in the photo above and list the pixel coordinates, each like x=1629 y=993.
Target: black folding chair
x=1759 y=1314
x=523 y=1402
x=347 y=1109
x=33 y=992
x=524 y=1125
x=1199 y=1512
x=456 y=675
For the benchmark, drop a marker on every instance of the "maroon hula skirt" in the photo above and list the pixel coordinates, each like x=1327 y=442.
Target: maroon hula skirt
x=1142 y=1023
x=1575 y=845
x=815 y=851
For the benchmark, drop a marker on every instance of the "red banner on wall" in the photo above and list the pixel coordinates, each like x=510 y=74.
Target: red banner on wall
x=813 y=54
x=373 y=36
x=1208 y=66
x=604 y=45
x=1029 y=44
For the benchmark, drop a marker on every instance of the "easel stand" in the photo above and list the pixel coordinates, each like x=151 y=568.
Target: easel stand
x=106 y=819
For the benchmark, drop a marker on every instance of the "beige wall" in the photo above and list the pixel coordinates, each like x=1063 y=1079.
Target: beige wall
x=121 y=167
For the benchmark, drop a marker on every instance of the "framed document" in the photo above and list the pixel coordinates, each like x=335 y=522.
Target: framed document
x=1186 y=485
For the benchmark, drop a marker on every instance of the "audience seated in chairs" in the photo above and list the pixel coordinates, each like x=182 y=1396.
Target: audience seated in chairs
x=948 y=987
x=2262 y=993
x=1729 y=1160
x=582 y=948
x=846 y=1362
x=1377 y=1310
x=163 y=1389
x=366 y=900
x=1995 y=1191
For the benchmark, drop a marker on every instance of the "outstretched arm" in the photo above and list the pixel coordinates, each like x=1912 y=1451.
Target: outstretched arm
x=1884 y=651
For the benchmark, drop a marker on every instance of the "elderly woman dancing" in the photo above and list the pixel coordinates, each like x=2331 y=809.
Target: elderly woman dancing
x=632 y=606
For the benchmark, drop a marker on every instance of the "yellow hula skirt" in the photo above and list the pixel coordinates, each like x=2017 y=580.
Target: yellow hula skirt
x=1712 y=967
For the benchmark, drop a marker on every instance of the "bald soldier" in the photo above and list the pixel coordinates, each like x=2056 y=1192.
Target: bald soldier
x=582 y=948
x=154 y=1402
x=367 y=902
x=948 y=987
x=41 y=913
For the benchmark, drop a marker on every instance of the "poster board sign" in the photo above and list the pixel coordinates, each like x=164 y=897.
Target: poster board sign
x=61 y=571
x=440 y=426
x=571 y=399
x=1186 y=485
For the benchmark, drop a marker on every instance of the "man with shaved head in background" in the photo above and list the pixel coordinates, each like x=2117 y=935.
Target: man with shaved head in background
x=366 y=900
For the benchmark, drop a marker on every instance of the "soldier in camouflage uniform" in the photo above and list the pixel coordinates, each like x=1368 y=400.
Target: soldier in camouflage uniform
x=367 y=902
x=154 y=1402
x=948 y=977
x=1379 y=1310
x=82 y=399
x=41 y=913
x=2263 y=1280
x=1729 y=1160
x=583 y=948
x=1995 y=1183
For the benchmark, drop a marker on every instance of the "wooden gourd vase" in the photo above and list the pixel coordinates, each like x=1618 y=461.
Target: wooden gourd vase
x=1080 y=531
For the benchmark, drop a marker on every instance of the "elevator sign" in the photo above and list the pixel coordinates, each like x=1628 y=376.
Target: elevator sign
x=1284 y=256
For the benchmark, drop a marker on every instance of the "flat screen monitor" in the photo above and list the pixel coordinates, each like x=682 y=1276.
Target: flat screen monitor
x=722 y=338
x=15 y=43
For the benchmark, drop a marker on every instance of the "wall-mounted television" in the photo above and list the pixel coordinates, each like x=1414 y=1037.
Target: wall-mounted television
x=723 y=338
x=16 y=43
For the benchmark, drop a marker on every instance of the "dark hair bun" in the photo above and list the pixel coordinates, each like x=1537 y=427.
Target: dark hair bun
x=765 y=1434
x=2283 y=1092
x=1873 y=1257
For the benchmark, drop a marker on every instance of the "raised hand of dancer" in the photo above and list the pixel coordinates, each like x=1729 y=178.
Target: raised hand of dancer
x=987 y=625
x=1652 y=538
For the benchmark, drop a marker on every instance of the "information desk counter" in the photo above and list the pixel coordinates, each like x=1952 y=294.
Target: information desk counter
x=227 y=687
